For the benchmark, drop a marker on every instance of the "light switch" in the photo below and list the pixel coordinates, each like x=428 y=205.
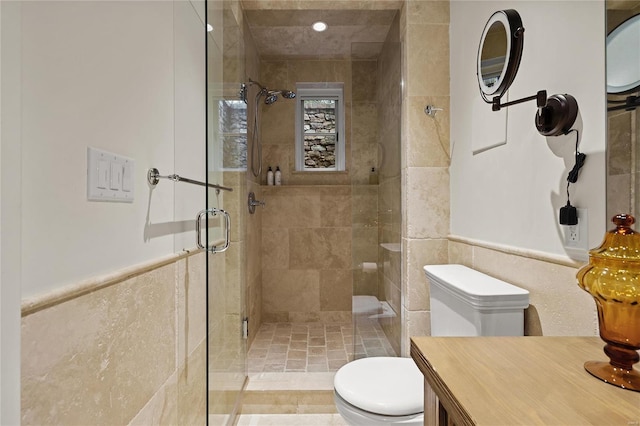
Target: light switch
x=103 y=174
x=127 y=177
x=109 y=176
x=116 y=176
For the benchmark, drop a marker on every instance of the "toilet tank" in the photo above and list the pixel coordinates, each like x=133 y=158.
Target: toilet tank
x=465 y=302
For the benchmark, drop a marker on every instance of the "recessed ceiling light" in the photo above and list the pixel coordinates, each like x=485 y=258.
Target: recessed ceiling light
x=209 y=27
x=319 y=26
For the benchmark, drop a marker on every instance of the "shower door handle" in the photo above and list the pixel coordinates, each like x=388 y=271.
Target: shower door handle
x=227 y=227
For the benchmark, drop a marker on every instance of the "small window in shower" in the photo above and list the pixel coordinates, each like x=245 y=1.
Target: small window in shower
x=232 y=132
x=320 y=141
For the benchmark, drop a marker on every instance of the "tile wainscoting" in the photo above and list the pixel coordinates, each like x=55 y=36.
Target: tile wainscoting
x=128 y=348
x=558 y=307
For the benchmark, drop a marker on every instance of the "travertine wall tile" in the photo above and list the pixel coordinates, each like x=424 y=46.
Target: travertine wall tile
x=253 y=222
x=162 y=408
x=427 y=12
x=419 y=253
x=320 y=248
x=416 y=323
x=278 y=121
x=365 y=246
x=276 y=244
x=234 y=278
x=364 y=123
x=287 y=210
x=428 y=59
x=91 y=350
x=335 y=209
x=191 y=304
x=389 y=220
x=554 y=292
x=192 y=388
x=365 y=283
x=286 y=290
x=428 y=137
x=336 y=289
x=365 y=205
x=426 y=207
x=365 y=74
x=460 y=253
x=306 y=234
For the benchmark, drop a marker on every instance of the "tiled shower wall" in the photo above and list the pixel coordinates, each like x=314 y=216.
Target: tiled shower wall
x=306 y=256
x=128 y=348
x=318 y=228
x=253 y=222
x=425 y=155
x=389 y=92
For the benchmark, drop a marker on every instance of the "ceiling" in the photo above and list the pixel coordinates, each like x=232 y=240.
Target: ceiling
x=351 y=33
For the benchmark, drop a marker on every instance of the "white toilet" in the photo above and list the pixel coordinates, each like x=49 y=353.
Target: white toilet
x=464 y=302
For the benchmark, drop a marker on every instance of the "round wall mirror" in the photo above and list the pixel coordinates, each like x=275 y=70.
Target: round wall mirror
x=499 y=53
x=623 y=57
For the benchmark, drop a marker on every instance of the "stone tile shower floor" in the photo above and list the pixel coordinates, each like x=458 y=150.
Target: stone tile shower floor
x=291 y=370
x=314 y=347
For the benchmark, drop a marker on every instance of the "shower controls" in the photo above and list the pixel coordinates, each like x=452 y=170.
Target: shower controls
x=109 y=176
x=252 y=203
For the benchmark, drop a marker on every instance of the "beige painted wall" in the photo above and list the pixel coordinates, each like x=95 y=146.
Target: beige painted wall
x=10 y=221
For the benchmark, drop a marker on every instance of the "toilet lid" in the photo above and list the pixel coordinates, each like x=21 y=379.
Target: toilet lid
x=382 y=385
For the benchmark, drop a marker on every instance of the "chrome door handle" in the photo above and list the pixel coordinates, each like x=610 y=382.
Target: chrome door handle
x=227 y=227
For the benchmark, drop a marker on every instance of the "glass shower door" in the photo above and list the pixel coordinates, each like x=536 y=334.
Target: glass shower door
x=226 y=166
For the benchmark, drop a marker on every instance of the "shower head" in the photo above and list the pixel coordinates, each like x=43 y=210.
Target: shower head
x=271 y=98
x=270 y=95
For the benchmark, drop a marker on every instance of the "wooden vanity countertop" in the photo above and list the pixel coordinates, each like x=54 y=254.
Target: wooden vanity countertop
x=522 y=381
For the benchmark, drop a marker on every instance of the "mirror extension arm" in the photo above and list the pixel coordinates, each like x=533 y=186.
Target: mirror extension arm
x=540 y=97
x=556 y=114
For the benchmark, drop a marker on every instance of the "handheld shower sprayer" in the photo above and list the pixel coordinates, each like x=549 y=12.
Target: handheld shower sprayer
x=270 y=96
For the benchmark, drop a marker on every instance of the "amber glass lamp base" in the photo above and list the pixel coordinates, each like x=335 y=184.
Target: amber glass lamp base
x=612 y=277
x=619 y=371
x=626 y=379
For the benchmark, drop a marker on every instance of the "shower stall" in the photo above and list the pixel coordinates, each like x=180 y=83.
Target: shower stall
x=311 y=279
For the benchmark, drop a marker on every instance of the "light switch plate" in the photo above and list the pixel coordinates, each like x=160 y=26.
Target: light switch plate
x=109 y=176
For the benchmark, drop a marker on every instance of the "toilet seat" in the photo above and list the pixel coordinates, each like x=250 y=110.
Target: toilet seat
x=386 y=386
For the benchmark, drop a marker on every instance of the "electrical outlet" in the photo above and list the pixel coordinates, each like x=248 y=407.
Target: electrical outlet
x=576 y=241
x=573 y=234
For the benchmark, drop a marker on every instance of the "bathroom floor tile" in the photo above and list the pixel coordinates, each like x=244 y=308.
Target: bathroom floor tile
x=314 y=347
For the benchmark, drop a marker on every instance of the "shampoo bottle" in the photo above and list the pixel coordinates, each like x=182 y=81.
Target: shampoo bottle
x=270 y=176
x=278 y=176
